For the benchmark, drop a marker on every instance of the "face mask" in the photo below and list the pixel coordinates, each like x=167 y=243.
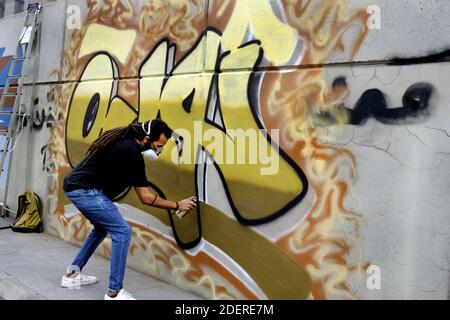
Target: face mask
x=151 y=154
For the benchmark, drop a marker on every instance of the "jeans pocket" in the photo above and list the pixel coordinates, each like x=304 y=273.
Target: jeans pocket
x=100 y=201
x=103 y=200
x=76 y=193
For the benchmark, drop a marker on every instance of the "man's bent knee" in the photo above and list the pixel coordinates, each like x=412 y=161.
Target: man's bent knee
x=128 y=231
x=122 y=234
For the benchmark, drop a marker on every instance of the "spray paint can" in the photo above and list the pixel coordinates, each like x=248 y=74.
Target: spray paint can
x=182 y=213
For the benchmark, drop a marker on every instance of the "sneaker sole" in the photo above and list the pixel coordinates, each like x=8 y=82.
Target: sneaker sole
x=73 y=285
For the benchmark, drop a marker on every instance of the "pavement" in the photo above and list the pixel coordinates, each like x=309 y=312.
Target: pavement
x=31 y=266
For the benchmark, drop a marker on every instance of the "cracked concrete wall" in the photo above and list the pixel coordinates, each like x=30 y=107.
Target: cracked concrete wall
x=402 y=182
x=378 y=173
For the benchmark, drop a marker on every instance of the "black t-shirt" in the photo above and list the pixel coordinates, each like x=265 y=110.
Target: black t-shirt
x=111 y=170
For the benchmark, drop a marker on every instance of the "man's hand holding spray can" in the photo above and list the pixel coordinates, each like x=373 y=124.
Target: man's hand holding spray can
x=185 y=206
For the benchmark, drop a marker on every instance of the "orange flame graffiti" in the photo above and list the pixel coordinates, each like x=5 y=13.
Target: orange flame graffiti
x=288 y=99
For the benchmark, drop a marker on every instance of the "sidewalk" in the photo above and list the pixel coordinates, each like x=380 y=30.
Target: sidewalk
x=31 y=266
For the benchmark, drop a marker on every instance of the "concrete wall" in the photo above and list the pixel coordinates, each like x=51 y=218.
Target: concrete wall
x=361 y=190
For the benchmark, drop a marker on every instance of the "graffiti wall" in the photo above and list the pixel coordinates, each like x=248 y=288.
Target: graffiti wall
x=353 y=173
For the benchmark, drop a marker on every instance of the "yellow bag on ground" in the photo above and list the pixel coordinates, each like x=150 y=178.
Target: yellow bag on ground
x=29 y=213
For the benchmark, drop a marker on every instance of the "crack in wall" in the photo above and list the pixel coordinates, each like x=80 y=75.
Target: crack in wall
x=439 y=129
x=416 y=136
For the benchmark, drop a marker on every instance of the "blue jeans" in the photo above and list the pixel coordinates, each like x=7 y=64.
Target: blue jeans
x=106 y=219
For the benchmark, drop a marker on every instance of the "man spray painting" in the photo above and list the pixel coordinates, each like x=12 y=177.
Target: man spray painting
x=113 y=163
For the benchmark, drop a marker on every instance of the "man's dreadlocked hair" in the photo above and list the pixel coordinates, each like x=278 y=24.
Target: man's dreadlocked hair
x=134 y=130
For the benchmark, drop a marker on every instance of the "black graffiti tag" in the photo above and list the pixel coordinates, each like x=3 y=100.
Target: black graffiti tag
x=373 y=104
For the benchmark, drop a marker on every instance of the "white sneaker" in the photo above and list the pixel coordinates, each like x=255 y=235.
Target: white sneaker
x=77 y=281
x=122 y=295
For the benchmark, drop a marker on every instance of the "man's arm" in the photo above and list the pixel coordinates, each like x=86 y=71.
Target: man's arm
x=151 y=199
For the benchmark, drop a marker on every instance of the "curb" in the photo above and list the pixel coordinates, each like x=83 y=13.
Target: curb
x=12 y=289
